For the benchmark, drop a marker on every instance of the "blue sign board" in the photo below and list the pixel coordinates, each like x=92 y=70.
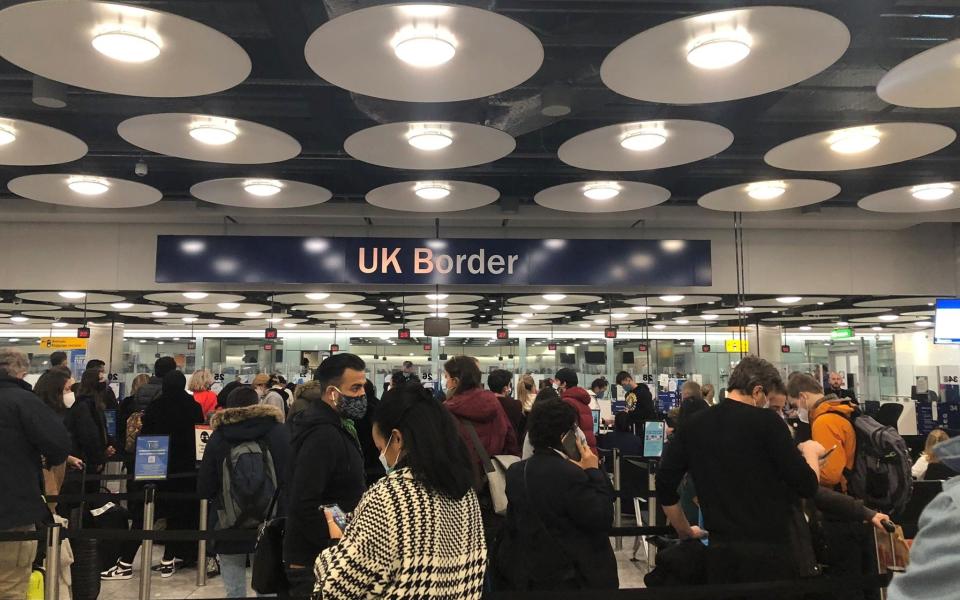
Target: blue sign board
x=110 y=416
x=152 y=458
x=281 y=259
x=653 y=434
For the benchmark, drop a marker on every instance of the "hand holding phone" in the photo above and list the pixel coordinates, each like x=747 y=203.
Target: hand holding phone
x=827 y=454
x=571 y=445
x=336 y=520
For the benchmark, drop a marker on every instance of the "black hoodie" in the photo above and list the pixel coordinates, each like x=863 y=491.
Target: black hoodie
x=230 y=427
x=326 y=468
x=175 y=413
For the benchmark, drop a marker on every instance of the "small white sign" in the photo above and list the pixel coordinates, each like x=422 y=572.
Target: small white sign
x=201 y=437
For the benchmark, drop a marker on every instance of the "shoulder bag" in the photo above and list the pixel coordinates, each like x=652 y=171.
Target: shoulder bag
x=495 y=469
x=268 y=575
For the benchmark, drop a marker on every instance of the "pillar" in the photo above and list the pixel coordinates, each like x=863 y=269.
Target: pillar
x=765 y=342
x=106 y=343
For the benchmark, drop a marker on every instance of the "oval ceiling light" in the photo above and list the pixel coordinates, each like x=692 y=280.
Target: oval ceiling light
x=228 y=305
x=213 y=325
x=88 y=186
x=289 y=324
x=334 y=305
x=431 y=190
x=743 y=309
x=7 y=135
x=888 y=317
x=923 y=324
x=719 y=51
x=619 y=315
x=875 y=328
x=127 y=44
x=659 y=326
x=554 y=297
x=789 y=299
x=436 y=296
x=19 y=319
x=429 y=140
x=854 y=140
x=262 y=187
x=643 y=139
x=932 y=191
x=642 y=308
x=709 y=317
x=672 y=298
x=189 y=319
x=806 y=328
x=601 y=190
x=766 y=190
x=348 y=315
x=539 y=306
x=59 y=324
x=424 y=48
x=72 y=295
x=121 y=305
x=160 y=313
x=214 y=132
x=195 y=295
x=317 y=296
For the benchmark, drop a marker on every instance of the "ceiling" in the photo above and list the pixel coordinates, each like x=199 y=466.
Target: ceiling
x=284 y=94
x=392 y=310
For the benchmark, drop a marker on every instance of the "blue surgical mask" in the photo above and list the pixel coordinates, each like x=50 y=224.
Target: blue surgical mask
x=383 y=458
x=353 y=407
x=628 y=387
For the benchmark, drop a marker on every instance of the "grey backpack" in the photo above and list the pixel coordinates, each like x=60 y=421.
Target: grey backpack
x=248 y=486
x=881 y=467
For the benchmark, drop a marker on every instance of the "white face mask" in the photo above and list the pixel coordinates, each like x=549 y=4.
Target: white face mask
x=803 y=414
x=383 y=457
x=68 y=399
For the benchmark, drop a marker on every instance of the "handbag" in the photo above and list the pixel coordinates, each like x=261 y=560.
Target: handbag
x=268 y=575
x=495 y=469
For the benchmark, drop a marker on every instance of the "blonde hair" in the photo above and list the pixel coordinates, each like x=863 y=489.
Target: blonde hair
x=708 y=391
x=138 y=382
x=260 y=379
x=527 y=391
x=201 y=380
x=936 y=436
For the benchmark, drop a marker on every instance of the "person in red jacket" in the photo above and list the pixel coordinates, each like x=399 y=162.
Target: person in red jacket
x=578 y=398
x=470 y=403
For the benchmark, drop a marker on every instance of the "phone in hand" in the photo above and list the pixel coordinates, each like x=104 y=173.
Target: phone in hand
x=336 y=520
x=828 y=453
x=570 y=445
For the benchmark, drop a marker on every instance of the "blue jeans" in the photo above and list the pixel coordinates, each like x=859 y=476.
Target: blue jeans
x=233 y=569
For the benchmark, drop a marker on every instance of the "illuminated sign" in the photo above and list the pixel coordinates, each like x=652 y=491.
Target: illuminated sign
x=737 y=346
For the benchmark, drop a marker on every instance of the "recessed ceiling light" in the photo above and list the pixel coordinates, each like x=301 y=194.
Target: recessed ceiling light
x=743 y=309
x=7 y=135
x=923 y=323
x=877 y=328
x=932 y=191
x=424 y=47
x=126 y=44
x=619 y=315
x=819 y=303
x=429 y=140
x=437 y=306
x=189 y=319
x=195 y=295
x=274 y=320
x=642 y=308
x=19 y=319
x=121 y=305
x=160 y=313
x=766 y=190
x=539 y=306
x=659 y=326
x=554 y=297
x=214 y=132
x=842 y=323
x=599 y=321
x=643 y=139
x=527 y=315
x=789 y=299
x=334 y=305
x=805 y=328
x=433 y=297
x=72 y=295
x=262 y=187
x=520 y=320
x=719 y=51
x=143 y=341
x=356 y=321
x=672 y=298
x=709 y=317
x=289 y=324
x=59 y=324
x=681 y=321
x=584 y=325
x=317 y=296
x=854 y=140
x=228 y=305
x=888 y=317
x=364 y=325
x=347 y=315
x=254 y=313
x=601 y=190
x=88 y=186
x=213 y=325
x=431 y=190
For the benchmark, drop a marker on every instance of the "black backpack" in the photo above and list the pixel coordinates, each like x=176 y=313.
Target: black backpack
x=248 y=486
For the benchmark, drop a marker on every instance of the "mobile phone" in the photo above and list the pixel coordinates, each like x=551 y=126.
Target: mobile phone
x=336 y=513
x=829 y=452
x=570 y=447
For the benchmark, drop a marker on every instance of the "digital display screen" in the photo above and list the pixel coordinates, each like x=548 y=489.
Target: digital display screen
x=947 y=322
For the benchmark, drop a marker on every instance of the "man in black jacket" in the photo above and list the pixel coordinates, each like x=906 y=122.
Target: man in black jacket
x=327 y=465
x=30 y=431
x=750 y=478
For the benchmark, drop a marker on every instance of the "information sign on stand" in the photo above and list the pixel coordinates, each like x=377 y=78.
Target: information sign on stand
x=653 y=433
x=152 y=457
x=110 y=416
x=201 y=437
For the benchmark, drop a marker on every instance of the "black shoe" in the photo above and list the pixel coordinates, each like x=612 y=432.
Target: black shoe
x=213 y=567
x=167 y=569
x=118 y=572
x=176 y=562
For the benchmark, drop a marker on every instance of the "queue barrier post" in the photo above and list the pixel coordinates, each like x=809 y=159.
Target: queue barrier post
x=651 y=550
x=202 y=546
x=146 y=548
x=51 y=584
x=618 y=502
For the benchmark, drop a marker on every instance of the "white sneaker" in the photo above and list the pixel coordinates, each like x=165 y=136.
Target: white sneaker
x=167 y=569
x=119 y=572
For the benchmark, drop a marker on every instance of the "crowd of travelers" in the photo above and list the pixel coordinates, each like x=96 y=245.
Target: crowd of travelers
x=487 y=482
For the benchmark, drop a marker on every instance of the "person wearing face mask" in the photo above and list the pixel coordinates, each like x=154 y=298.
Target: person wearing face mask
x=417 y=533
x=85 y=421
x=639 y=400
x=262 y=383
x=326 y=465
x=750 y=479
x=53 y=388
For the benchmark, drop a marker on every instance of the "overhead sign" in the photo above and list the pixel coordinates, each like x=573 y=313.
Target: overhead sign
x=363 y=260
x=841 y=333
x=737 y=346
x=61 y=343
